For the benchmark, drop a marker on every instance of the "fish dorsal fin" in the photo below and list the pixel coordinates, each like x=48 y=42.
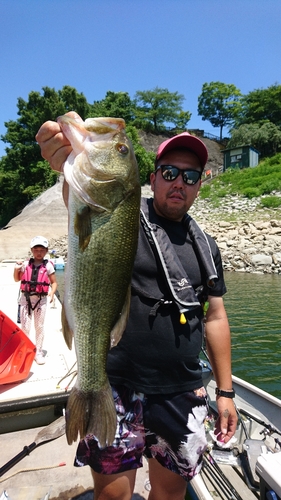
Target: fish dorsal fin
x=120 y=325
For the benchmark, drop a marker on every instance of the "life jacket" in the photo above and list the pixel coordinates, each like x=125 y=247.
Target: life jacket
x=35 y=281
x=181 y=291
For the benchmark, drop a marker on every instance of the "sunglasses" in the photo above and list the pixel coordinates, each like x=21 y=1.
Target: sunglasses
x=170 y=173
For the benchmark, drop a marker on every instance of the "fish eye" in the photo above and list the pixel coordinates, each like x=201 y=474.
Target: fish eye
x=122 y=149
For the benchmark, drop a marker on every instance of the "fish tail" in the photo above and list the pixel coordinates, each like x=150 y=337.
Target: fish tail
x=76 y=415
x=91 y=413
x=102 y=422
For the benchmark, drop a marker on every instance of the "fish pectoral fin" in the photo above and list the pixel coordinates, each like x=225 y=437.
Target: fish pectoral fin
x=83 y=226
x=66 y=330
x=120 y=325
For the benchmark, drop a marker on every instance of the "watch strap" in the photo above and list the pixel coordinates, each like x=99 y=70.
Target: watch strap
x=225 y=394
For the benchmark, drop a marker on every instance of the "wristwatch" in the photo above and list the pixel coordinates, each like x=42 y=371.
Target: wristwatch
x=225 y=394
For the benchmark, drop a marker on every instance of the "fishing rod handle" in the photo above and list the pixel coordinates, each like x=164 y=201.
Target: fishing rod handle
x=26 y=450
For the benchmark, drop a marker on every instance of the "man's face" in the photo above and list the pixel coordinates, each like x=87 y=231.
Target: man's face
x=172 y=199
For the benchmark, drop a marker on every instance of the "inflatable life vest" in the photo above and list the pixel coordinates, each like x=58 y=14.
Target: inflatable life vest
x=181 y=290
x=35 y=280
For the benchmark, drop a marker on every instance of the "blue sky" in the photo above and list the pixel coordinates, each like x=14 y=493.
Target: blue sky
x=130 y=45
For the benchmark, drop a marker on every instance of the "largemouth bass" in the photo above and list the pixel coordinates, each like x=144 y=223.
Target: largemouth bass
x=103 y=208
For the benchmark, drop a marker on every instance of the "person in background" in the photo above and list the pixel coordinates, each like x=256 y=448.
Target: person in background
x=37 y=276
x=155 y=373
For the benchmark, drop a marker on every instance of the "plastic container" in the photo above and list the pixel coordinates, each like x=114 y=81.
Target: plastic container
x=268 y=468
x=59 y=263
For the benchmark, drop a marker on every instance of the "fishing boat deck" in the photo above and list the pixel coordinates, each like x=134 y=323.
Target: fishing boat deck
x=46 y=384
x=39 y=473
x=28 y=406
x=225 y=475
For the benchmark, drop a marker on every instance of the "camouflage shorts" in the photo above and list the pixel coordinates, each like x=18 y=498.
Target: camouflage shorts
x=169 y=428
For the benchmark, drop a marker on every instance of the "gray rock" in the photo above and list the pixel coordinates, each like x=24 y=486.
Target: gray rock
x=261 y=259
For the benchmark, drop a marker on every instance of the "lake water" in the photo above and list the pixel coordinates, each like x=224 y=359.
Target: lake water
x=253 y=304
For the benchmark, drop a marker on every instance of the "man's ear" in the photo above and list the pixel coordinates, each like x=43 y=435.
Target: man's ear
x=200 y=184
x=152 y=180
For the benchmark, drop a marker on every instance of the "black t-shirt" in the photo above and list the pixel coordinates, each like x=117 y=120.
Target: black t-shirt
x=158 y=354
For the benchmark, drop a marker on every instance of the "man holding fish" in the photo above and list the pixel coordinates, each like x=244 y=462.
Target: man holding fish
x=156 y=329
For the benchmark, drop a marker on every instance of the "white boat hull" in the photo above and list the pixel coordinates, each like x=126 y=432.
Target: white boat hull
x=244 y=473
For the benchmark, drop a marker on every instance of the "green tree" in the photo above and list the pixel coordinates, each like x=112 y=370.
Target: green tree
x=23 y=173
x=145 y=159
x=266 y=137
x=116 y=104
x=261 y=105
x=40 y=108
x=159 y=107
x=219 y=103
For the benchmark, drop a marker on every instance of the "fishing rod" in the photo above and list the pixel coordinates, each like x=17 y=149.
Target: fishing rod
x=268 y=426
x=217 y=473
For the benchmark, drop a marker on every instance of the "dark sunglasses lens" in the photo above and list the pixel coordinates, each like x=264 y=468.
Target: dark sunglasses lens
x=191 y=176
x=169 y=173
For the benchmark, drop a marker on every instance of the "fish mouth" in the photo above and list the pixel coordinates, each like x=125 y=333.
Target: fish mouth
x=99 y=126
x=104 y=125
x=98 y=130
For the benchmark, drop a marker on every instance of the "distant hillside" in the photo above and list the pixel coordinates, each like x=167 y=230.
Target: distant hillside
x=151 y=142
x=47 y=215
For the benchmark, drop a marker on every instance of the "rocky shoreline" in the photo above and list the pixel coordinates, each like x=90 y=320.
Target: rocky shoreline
x=248 y=237
x=245 y=245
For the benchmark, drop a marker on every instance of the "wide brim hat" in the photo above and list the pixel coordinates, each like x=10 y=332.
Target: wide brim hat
x=188 y=141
